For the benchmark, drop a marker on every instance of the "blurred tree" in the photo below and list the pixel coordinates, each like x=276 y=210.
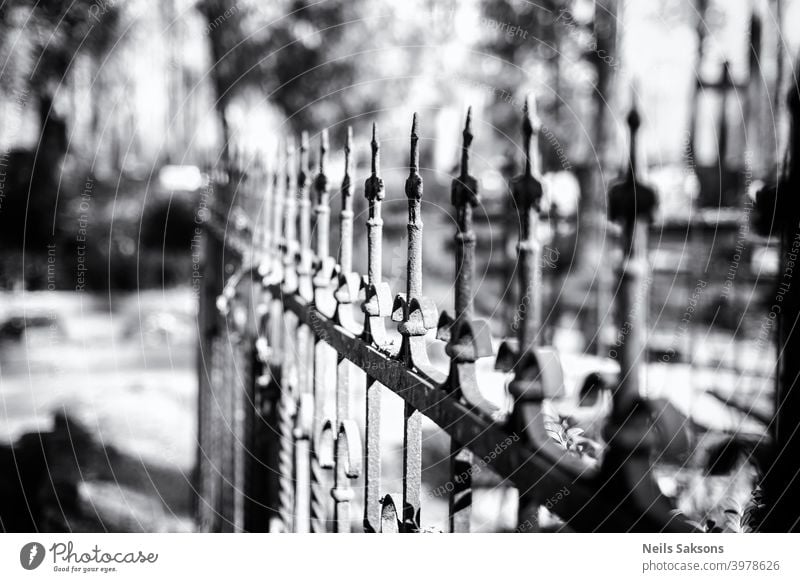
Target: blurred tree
x=287 y=50
x=41 y=39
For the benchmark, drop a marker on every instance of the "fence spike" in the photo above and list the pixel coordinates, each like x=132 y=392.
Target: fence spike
x=416 y=314
x=346 y=216
x=348 y=282
x=467 y=339
x=628 y=431
x=290 y=282
x=269 y=193
x=537 y=370
x=322 y=210
x=377 y=305
x=632 y=205
x=529 y=194
x=306 y=262
x=275 y=272
x=377 y=295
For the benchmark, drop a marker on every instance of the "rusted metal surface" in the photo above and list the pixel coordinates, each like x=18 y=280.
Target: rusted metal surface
x=416 y=315
x=376 y=307
x=320 y=481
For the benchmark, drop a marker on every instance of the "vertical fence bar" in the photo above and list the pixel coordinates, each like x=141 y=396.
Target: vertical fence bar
x=305 y=352
x=290 y=379
x=348 y=441
x=263 y=510
x=467 y=340
x=525 y=357
x=287 y=407
x=528 y=192
x=376 y=306
x=321 y=281
x=304 y=270
x=290 y=223
x=628 y=432
x=631 y=205
x=417 y=315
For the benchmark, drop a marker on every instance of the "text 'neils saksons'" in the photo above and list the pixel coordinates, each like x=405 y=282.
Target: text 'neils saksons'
x=664 y=548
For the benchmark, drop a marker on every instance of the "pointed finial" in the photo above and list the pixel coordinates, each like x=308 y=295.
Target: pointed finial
x=414 y=181
x=290 y=151
x=468 y=137
x=531 y=124
x=373 y=187
x=414 y=157
x=348 y=144
x=376 y=150
x=322 y=211
x=634 y=119
x=349 y=282
x=464 y=189
x=323 y=151
x=629 y=198
x=304 y=154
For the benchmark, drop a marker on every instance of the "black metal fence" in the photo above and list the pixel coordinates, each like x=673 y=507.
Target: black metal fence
x=280 y=446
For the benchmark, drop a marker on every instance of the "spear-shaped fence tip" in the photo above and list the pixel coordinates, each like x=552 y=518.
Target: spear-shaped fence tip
x=323 y=150
x=530 y=130
x=376 y=146
x=634 y=119
x=468 y=136
x=414 y=157
x=348 y=160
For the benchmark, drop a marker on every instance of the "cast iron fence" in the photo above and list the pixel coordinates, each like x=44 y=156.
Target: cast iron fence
x=280 y=445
